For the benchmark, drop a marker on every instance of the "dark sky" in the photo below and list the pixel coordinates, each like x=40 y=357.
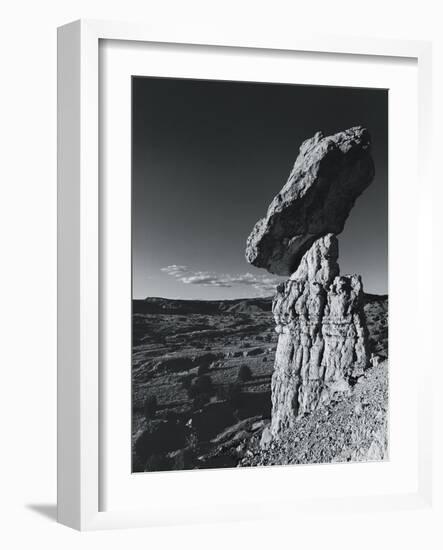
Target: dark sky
x=209 y=156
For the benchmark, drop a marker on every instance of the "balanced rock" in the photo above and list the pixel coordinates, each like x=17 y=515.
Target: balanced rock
x=323 y=343
x=328 y=175
x=323 y=338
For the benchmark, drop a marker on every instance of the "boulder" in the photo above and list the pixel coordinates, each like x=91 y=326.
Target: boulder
x=328 y=175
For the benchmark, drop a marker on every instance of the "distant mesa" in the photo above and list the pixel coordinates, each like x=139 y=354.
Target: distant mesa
x=169 y=306
x=329 y=174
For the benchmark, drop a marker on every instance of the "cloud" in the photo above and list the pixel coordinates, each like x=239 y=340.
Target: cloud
x=263 y=284
x=205 y=279
x=175 y=270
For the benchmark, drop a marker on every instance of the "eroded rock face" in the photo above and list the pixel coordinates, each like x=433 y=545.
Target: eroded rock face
x=328 y=175
x=322 y=335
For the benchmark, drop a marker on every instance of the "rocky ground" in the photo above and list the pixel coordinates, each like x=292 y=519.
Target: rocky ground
x=201 y=390
x=352 y=429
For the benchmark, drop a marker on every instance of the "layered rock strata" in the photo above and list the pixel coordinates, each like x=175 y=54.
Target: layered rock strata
x=322 y=343
x=319 y=316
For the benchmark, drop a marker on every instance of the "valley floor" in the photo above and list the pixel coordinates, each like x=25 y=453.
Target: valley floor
x=201 y=380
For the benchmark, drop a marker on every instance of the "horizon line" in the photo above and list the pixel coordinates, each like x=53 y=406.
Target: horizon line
x=386 y=294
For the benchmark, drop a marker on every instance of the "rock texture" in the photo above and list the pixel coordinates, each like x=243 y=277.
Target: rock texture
x=323 y=338
x=329 y=174
x=323 y=341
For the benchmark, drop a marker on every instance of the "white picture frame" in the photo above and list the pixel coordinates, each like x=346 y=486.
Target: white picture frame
x=80 y=411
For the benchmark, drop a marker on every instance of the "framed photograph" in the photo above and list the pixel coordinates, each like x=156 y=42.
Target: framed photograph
x=233 y=330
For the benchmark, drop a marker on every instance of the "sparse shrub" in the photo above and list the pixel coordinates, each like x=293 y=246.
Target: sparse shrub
x=186 y=381
x=200 y=385
x=150 y=407
x=231 y=393
x=244 y=373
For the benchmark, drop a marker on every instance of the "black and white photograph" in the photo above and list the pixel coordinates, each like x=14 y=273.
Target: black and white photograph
x=259 y=274
x=222 y=275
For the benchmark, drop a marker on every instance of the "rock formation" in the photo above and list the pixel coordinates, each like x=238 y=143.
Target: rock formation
x=327 y=177
x=322 y=344
x=322 y=334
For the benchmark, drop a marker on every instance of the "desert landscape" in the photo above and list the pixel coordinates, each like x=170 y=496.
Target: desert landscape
x=202 y=390
x=260 y=275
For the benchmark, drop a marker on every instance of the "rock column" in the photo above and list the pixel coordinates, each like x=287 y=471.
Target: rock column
x=322 y=343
